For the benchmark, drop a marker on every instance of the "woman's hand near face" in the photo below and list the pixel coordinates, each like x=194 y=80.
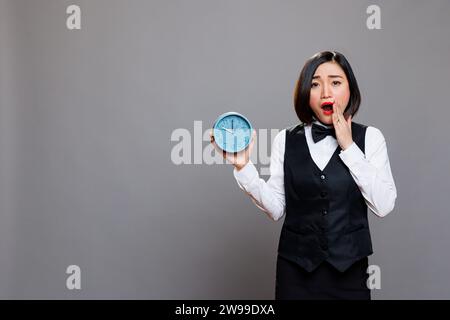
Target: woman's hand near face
x=238 y=159
x=342 y=127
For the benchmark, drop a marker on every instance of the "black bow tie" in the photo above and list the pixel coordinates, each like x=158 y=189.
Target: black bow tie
x=319 y=132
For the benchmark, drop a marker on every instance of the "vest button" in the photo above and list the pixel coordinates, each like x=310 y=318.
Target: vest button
x=323 y=194
x=322 y=177
x=325 y=212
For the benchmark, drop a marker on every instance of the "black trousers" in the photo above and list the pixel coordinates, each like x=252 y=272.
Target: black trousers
x=324 y=283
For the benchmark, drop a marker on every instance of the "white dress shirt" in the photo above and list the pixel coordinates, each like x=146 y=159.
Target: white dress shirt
x=371 y=172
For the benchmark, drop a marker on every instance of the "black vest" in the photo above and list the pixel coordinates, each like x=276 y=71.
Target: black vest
x=326 y=215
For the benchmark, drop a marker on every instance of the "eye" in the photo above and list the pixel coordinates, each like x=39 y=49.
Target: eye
x=336 y=82
x=314 y=84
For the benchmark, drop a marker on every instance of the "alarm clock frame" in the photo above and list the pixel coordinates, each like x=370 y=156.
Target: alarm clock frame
x=236 y=114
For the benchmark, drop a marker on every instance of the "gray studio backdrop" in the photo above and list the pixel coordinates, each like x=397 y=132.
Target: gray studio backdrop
x=87 y=176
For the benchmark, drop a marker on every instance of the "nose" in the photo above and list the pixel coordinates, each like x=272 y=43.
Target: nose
x=326 y=92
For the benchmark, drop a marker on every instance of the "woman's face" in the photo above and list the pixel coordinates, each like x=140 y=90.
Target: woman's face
x=329 y=85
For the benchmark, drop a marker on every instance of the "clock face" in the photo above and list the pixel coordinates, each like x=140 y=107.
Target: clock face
x=232 y=132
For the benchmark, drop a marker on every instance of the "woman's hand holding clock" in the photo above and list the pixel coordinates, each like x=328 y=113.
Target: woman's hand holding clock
x=238 y=159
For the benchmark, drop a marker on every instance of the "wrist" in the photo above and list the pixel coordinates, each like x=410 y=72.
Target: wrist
x=345 y=147
x=240 y=166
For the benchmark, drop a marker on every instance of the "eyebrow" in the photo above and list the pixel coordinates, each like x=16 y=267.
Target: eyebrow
x=330 y=76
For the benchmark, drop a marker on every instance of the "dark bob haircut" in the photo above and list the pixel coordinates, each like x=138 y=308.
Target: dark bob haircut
x=303 y=87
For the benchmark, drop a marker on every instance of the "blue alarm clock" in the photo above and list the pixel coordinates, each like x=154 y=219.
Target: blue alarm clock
x=232 y=132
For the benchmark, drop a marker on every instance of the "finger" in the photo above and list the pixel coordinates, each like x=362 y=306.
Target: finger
x=335 y=112
x=339 y=117
x=252 y=142
x=250 y=149
x=234 y=157
x=214 y=143
x=253 y=137
x=338 y=113
x=334 y=115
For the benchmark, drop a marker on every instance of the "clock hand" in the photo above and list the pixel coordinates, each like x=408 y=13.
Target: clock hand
x=227 y=130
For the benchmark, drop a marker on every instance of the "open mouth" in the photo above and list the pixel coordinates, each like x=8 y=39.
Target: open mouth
x=327 y=106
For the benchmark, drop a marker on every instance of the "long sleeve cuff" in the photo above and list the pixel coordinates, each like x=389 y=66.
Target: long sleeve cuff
x=246 y=175
x=351 y=155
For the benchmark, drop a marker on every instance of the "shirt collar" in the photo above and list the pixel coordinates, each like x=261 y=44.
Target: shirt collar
x=320 y=123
